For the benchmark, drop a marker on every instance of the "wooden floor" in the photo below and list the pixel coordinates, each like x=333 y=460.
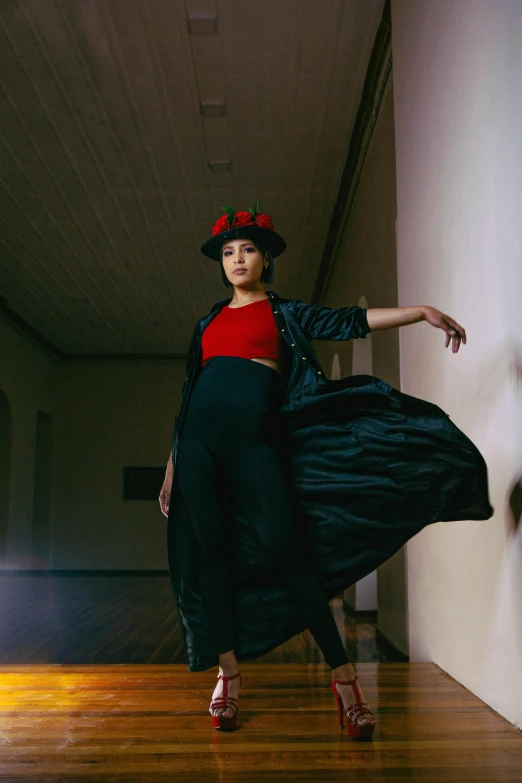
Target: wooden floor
x=137 y=723
x=94 y=687
x=132 y=618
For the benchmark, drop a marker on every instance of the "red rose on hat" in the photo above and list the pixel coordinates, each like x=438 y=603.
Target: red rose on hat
x=252 y=224
x=220 y=225
x=264 y=221
x=243 y=219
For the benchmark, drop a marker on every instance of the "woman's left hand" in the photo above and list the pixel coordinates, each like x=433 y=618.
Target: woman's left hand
x=454 y=331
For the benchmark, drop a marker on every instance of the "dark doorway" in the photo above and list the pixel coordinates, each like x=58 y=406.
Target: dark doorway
x=42 y=501
x=6 y=436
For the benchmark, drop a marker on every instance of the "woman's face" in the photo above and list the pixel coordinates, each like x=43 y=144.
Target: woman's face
x=243 y=262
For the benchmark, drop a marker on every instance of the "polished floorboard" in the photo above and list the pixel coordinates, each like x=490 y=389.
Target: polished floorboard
x=150 y=723
x=94 y=687
x=132 y=618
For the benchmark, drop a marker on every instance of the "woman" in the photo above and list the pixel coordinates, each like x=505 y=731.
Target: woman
x=266 y=451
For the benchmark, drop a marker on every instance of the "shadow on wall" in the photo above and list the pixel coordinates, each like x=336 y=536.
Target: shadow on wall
x=515 y=496
x=506 y=602
x=504 y=639
x=6 y=436
x=515 y=504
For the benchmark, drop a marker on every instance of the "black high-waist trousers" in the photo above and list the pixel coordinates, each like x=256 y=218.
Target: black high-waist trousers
x=229 y=442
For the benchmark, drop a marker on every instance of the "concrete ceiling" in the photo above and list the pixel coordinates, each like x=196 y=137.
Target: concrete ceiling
x=114 y=114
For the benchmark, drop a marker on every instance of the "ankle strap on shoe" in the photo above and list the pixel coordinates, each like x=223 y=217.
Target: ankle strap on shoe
x=229 y=677
x=346 y=682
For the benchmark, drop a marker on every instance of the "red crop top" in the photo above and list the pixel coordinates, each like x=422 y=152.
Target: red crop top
x=248 y=331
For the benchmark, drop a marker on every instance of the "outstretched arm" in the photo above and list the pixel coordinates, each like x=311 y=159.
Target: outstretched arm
x=390 y=317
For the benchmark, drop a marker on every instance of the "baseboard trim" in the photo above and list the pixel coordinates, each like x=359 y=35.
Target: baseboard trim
x=80 y=572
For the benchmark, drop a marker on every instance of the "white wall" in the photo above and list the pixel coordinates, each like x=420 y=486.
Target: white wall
x=458 y=110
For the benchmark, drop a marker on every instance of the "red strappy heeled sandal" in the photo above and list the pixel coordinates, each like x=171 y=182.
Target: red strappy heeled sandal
x=224 y=701
x=354 y=712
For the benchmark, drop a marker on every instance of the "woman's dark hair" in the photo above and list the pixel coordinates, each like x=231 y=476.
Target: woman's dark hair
x=267 y=274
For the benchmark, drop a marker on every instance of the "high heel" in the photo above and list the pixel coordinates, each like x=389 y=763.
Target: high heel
x=354 y=712
x=224 y=701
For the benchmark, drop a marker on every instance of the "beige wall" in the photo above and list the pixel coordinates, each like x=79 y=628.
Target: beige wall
x=105 y=416
x=27 y=380
x=366 y=266
x=458 y=108
x=111 y=415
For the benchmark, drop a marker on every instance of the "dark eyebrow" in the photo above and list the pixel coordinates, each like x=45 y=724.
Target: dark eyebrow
x=241 y=245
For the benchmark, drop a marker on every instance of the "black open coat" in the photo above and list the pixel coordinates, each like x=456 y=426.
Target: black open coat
x=367 y=467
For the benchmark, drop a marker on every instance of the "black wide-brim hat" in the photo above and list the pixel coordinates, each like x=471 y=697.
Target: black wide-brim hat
x=265 y=238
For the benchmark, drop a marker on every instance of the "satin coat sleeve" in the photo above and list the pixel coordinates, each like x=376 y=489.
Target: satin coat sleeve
x=326 y=323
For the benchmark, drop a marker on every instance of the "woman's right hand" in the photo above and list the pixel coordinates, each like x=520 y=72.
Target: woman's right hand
x=164 y=495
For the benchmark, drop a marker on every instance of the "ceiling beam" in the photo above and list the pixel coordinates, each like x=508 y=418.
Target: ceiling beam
x=28 y=331
x=62 y=356
x=379 y=69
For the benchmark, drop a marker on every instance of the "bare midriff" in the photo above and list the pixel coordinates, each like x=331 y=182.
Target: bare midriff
x=273 y=363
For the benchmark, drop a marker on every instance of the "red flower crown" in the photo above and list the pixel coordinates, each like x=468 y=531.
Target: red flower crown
x=252 y=224
x=232 y=219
